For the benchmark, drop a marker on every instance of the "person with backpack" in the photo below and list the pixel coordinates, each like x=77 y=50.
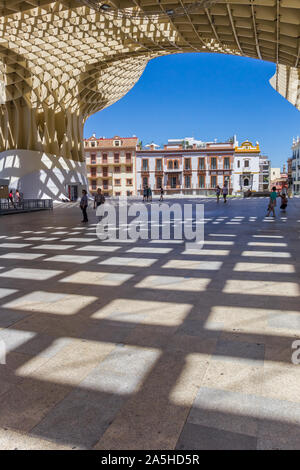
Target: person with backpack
x=84 y=205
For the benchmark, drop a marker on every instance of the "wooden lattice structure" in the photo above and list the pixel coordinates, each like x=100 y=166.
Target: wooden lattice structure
x=61 y=61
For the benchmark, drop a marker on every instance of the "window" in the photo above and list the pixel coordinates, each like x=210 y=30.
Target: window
x=104 y=158
x=118 y=193
x=213 y=181
x=128 y=169
x=159 y=164
x=93 y=172
x=170 y=165
x=116 y=158
x=158 y=182
x=117 y=182
x=213 y=164
x=201 y=181
x=187 y=163
x=145 y=165
x=176 y=164
x=201 y=163
x=129 y=193
x=128 y=157
x=117 y=143
x=238 y=164
x=226 y=163
x=145 y=181
x=117 y=169
x=105 y=171
x=246 y=163
x=246 y=182
x=93 y=144
x=187 y=181
x=105 y=184
x=129 y=182
x=93 y=159
x=94 y=184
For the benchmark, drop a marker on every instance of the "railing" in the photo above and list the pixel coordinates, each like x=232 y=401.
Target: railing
x=26 y=205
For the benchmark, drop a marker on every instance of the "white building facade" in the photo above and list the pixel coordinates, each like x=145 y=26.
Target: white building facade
x=185 y=169
x=246 y=168
x=296 y=165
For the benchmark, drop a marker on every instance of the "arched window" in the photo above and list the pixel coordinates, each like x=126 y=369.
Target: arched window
x=170 y=165
x=246 y=182
x=176 y=164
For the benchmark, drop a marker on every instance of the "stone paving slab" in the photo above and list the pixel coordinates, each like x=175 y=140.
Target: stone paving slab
x=146 y=344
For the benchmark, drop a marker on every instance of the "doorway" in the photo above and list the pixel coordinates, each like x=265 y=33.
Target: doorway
x=73 y=192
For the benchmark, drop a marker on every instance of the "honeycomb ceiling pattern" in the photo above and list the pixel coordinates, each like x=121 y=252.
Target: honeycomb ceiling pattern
x=61 y=61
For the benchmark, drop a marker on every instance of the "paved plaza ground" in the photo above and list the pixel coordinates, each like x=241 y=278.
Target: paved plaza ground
x=119 y=345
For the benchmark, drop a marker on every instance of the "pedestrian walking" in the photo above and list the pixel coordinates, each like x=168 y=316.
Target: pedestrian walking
x=272 y=202
x=145 y=193
x=98 y=200
x=84 y=205
x=218 y=192
x=225 y=192
x=18 y=197
x=149 y=194
x=161 y=194
x=11 y=198
x=284 y=201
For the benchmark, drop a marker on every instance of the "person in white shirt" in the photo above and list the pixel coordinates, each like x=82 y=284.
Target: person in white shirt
x=225 y=192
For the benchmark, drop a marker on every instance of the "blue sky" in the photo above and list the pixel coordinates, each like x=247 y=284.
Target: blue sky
x=206 y=96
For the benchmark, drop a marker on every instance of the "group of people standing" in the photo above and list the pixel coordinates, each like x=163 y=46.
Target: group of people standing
x=84 y=202
x=147 y=194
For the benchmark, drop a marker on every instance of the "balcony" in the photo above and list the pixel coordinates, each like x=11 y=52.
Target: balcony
x=173 y=170
x=178 y=186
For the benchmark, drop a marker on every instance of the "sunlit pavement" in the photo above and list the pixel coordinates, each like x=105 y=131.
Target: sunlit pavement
x=114 y=345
